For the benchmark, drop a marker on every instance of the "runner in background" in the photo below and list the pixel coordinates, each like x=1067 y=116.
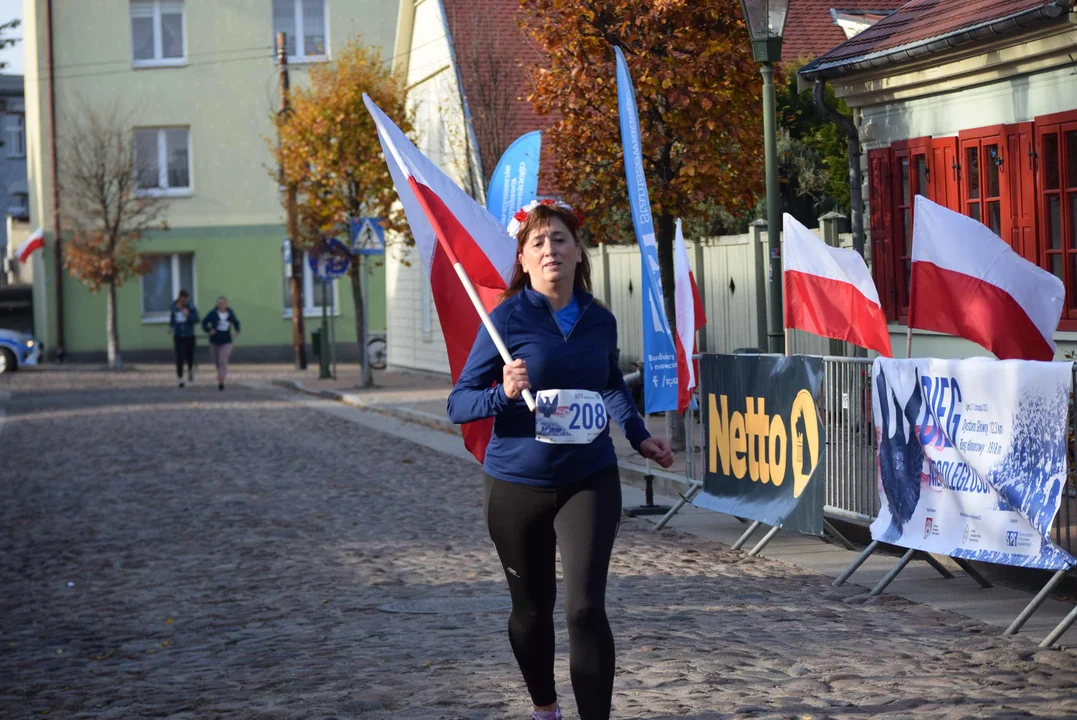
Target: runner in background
x=182 y=321
x=559 y=487
x=218 y=323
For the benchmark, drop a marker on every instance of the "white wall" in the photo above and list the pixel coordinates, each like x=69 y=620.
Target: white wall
x=1017 y=99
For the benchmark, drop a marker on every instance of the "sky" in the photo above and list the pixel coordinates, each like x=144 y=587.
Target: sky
x=10 y=9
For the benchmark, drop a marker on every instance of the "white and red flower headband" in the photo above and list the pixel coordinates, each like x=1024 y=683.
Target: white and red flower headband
x=521 y=215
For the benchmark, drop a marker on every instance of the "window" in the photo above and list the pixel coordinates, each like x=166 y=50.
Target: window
x=157 y=33
x=162 y=160
x=1019 y=180
x=19 y=205
x=1057 y=159
x=305 y=28
x=983 y=183
x=910 y=179
x=166 y=276
x=15 y=135
x=313 y=293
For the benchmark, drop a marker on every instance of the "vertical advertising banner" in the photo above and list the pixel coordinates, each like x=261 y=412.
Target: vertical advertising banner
x=515 y=180
x=766 y=446
x=659 y=353
x=972 y=457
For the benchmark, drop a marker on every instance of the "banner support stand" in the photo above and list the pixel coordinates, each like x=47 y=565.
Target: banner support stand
x=942 y=569
x=747 y=534
x=973 y=573
x=1037 y=601
x=908 y=342
x=763 y=542
x=861 y=558
x=1060 y=629
x=894 y=571
x=686 y=497
x=837 y=535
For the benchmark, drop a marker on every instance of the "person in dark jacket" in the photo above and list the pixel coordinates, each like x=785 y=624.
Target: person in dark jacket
x=182 y=321
x=551 y=476
x=219 y=323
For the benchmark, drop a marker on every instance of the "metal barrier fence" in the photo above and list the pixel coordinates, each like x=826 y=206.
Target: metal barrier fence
x=852 y=490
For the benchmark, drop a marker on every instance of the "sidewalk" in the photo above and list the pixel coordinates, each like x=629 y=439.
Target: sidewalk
x=417 y=399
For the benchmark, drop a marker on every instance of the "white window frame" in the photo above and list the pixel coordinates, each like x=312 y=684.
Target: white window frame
x=310 y=310
x=19 y=210
x=162 y=165
x=297 y=52
x=157 y=318
x=19 y=132
x=158 y=48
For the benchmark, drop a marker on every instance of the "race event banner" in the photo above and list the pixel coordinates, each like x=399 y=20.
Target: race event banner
x=972 y=457
x=515 y=179
x=765 y=443
x=659 y=352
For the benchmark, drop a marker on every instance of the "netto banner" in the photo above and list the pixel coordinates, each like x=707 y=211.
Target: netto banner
x=765 y=444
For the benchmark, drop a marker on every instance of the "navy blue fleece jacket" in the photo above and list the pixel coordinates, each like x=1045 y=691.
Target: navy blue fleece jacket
x=585 y=358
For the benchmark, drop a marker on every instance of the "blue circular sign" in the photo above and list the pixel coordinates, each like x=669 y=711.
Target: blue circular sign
x=329 y=259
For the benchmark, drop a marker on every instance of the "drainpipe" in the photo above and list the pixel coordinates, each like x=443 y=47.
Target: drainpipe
x=58 y=250
x=852 y=138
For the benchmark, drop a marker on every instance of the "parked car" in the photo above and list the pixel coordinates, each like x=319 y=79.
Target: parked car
x=16 y=350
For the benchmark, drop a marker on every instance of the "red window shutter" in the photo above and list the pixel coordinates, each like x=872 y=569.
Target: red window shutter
x=945 y=173
x=1020 y=174
x=880 y=196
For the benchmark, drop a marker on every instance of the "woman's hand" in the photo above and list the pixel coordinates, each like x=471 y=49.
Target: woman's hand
x=212 y=332
x=515 y=379
x=657 y=449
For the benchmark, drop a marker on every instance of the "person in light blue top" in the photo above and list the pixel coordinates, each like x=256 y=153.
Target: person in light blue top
x=551 y=478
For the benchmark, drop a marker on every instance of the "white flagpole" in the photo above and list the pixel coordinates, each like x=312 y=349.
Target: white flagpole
x=498 y=342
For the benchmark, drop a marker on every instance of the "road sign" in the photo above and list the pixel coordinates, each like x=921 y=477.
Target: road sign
x=367 y=236
x=329 y=259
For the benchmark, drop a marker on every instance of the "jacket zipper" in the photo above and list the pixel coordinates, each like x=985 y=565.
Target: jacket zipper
x=555 y=322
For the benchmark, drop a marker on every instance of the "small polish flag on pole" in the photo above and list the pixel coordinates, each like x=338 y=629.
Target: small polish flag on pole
x=829 y=291
x=35 y=242
x=468 y=255
x=967 y=281
x=691 y=318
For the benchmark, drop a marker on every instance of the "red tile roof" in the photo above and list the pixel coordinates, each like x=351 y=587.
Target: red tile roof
x=491 y=27
x=810 y=29
x=919 y=23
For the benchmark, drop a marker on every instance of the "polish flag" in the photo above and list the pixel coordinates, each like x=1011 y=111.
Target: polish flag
x=32 y=243
x=457 y=239
x=829 y=291
x=967 y=281
x=691 y=318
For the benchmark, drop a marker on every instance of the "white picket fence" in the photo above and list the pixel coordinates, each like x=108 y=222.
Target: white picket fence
x=731 y=272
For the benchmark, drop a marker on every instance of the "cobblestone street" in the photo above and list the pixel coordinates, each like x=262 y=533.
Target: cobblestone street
x=199 y=554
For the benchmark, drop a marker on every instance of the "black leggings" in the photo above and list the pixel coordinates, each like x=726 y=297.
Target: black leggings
x=525 y=524
x=184 y=347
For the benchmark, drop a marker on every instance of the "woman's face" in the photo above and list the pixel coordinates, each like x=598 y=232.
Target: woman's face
x=222 y=304
x=550 y=255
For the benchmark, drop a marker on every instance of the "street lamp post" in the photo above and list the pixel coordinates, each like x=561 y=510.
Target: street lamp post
x=766 y=21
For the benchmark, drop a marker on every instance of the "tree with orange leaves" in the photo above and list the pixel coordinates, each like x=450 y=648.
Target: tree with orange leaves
x=109 y=203
x=697 y=89
x=329 y=148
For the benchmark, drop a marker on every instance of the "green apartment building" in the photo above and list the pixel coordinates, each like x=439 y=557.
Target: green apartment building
x=199 y=81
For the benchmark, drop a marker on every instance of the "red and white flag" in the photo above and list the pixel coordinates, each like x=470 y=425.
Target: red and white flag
x=829 y=291
x=967 y=281
x=453 y=234
x=35 y=242
x=691 y=318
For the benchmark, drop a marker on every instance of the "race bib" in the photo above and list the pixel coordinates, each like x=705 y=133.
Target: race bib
x=569 y=417
x=180 y=317
x=222 y=324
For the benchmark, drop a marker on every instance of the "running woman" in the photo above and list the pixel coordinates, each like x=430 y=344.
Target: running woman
x=182 y=321
x=218 y=323
x=551 y=476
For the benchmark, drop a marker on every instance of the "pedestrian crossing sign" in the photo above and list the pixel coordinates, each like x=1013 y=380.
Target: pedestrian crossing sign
x=367 y=236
